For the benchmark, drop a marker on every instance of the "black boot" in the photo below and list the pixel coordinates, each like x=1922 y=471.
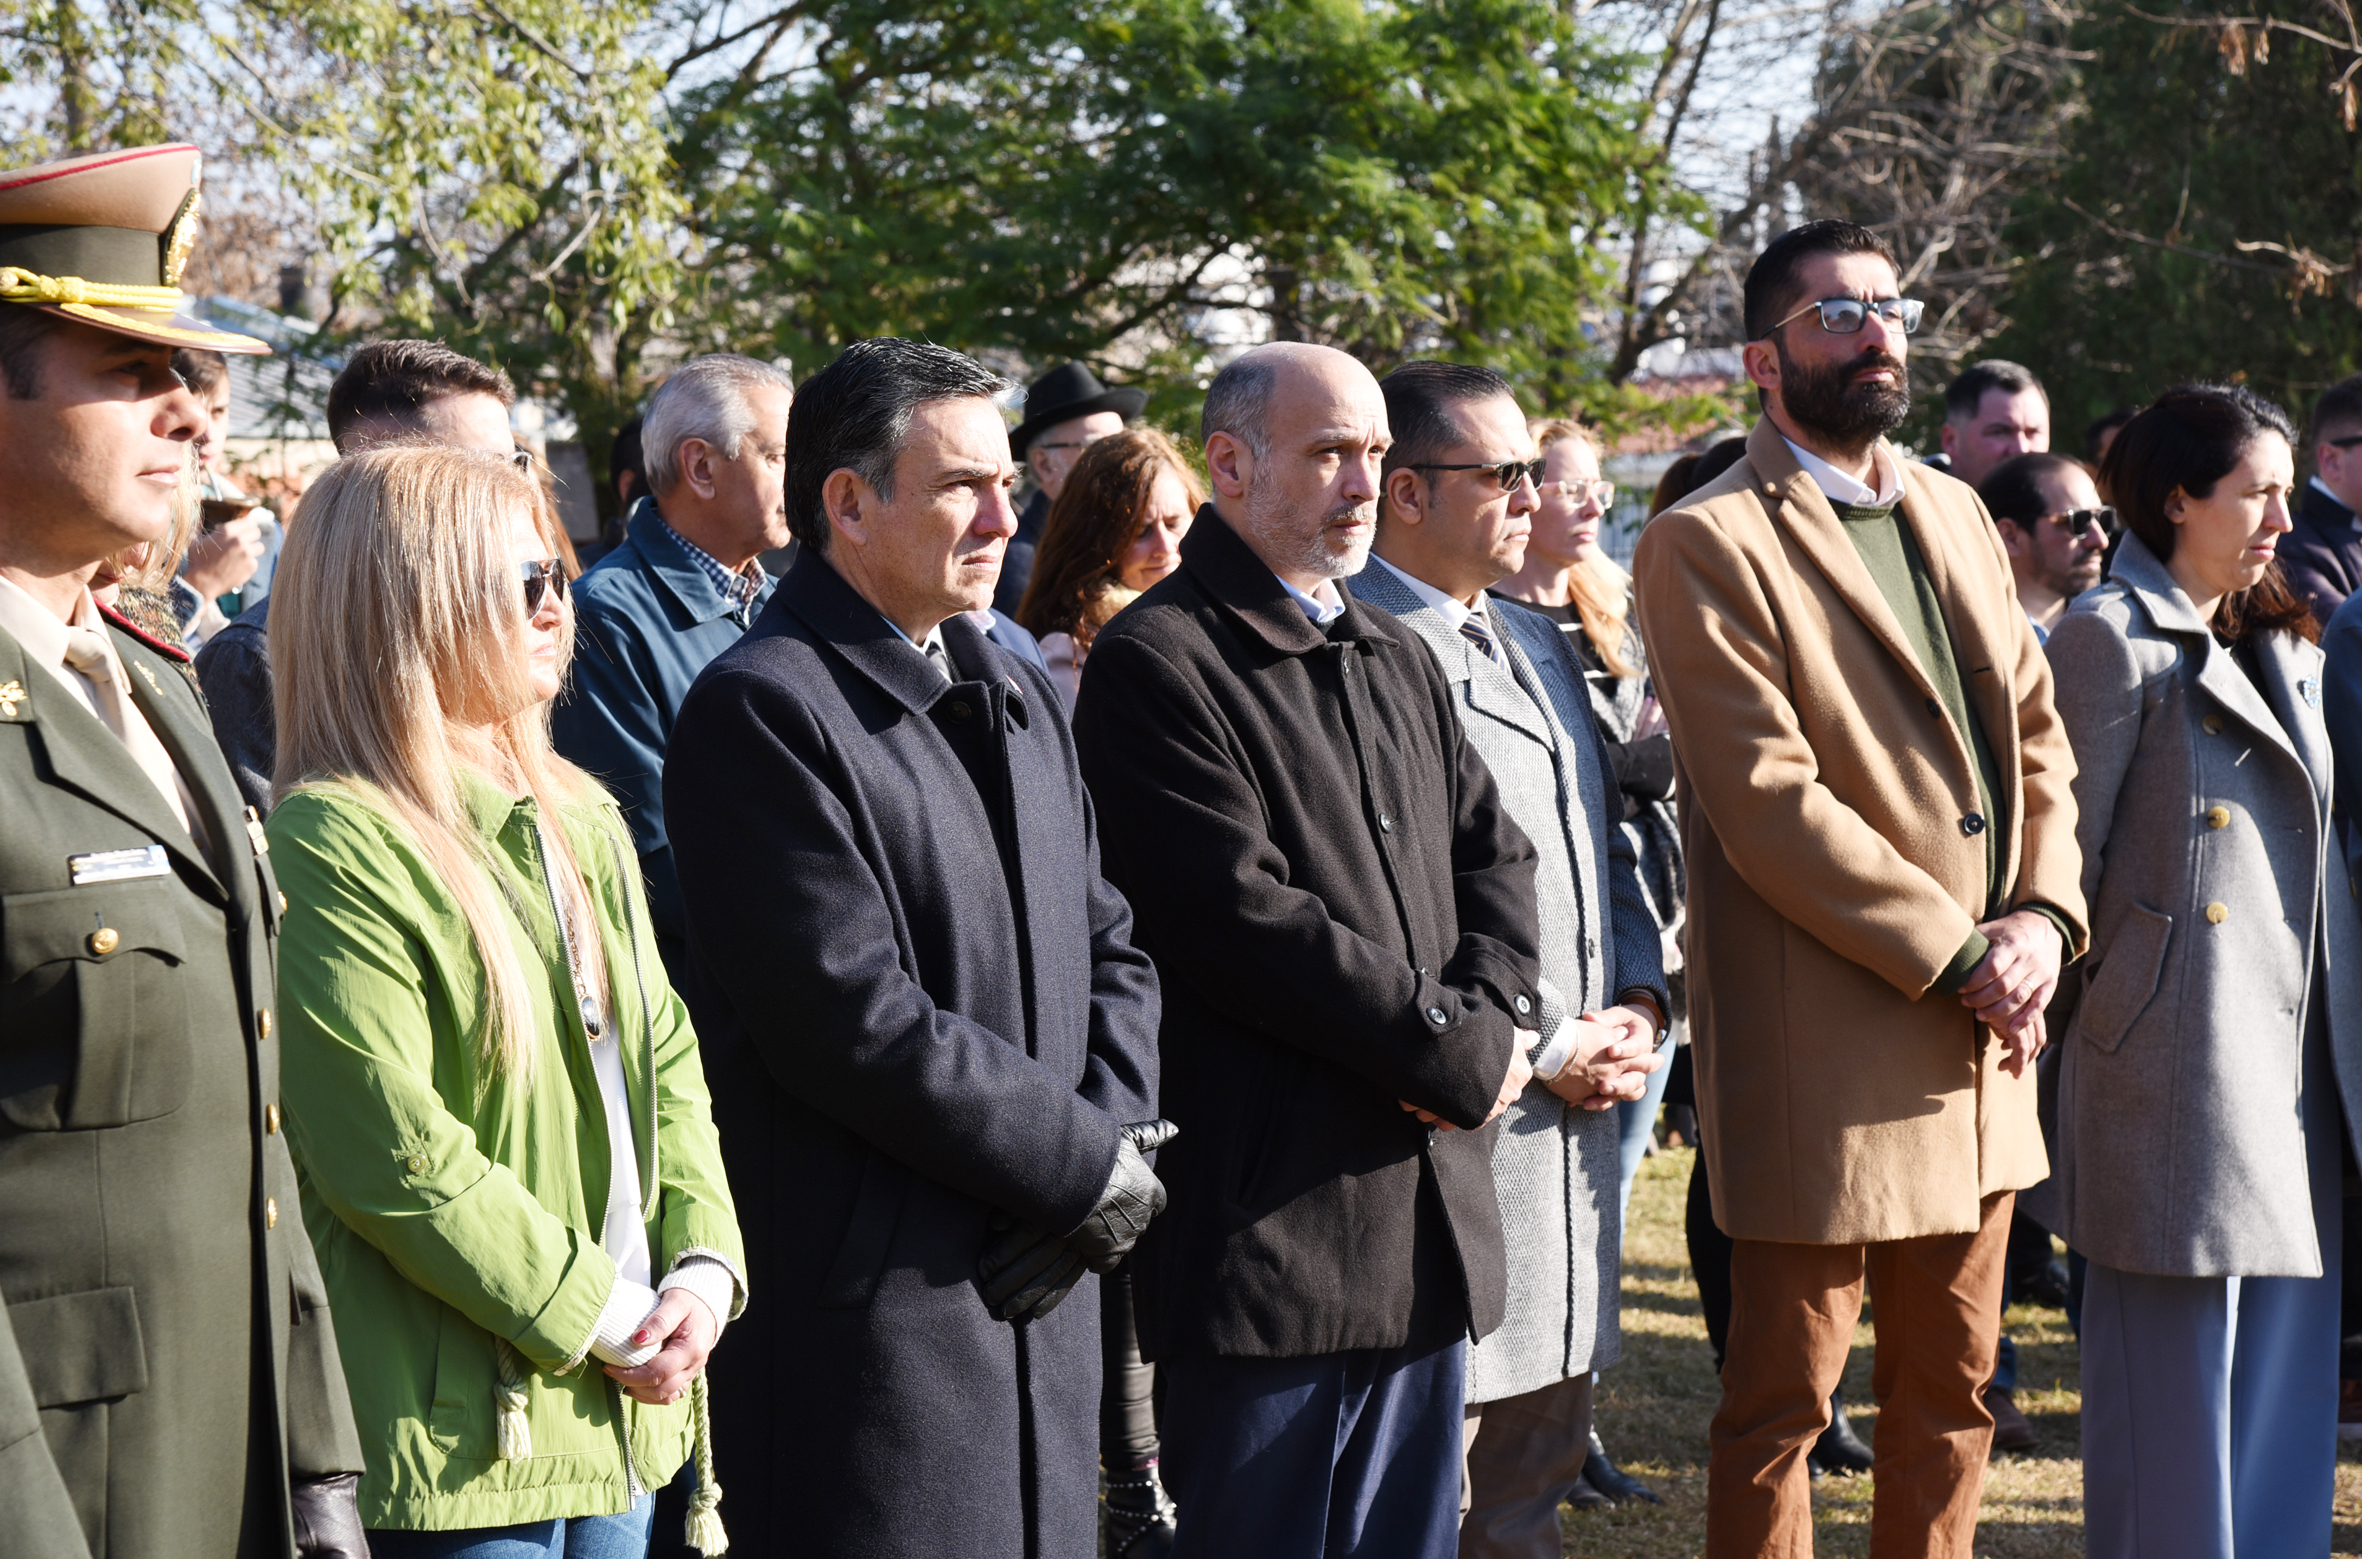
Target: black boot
x=1139 y=1516
x=1839 y=1449
x=1613 y=1484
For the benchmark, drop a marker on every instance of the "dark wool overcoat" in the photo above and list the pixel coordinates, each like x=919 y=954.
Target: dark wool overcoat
x=924 y=1007
x=1343 y=916
x=166 y=1358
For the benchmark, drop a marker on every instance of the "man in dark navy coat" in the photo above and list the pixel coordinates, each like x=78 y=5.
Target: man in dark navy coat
x=930 y=1039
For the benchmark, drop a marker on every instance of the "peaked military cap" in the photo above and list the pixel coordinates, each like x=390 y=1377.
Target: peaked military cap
x=103 y=239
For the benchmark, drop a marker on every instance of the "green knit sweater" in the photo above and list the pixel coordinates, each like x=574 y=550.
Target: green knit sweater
x=1891 y=553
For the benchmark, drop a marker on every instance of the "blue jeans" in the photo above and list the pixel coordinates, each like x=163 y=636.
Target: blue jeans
x=1636 y=1120
x=568 y=1537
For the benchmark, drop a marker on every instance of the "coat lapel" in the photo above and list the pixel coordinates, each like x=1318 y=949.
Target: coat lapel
x=1487 y=688
x=88 y=758
x=1804 y=511
x=2152 y=584
x=194 y=752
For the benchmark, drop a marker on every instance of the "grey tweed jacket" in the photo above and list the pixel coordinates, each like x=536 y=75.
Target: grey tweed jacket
x=2219 y=910
x=1554 y=1165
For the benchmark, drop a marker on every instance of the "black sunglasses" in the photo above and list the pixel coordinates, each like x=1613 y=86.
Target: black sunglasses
x=2348 y=442
x=540 y=579
x=1506 y=472
x=2075 y=521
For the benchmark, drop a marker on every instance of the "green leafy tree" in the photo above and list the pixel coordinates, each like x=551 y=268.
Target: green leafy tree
x=2204 y=223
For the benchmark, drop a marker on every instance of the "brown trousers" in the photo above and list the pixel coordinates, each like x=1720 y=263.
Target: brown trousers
x=1793 y=1309
x=1524 y=1454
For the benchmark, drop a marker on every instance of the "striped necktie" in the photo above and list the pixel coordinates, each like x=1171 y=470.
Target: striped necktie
x=1472 y=629
x=939 y=658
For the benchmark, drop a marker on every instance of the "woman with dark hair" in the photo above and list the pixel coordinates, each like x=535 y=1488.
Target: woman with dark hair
x=1115 y=530
x=2209 y=1034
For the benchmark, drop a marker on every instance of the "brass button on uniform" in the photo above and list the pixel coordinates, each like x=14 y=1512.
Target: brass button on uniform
x=104 y=941
x=282 y=903
x=2218 y=817
x=415 y=1163
x=2213 y=725
x=270 y=1120
x=262 y=1023
x=270 y=1212
x=2217 y=913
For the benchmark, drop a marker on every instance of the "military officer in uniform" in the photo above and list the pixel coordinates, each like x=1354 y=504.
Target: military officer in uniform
x=169 y=1380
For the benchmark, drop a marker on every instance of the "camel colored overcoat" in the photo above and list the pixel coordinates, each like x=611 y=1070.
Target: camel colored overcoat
x=1836 y=850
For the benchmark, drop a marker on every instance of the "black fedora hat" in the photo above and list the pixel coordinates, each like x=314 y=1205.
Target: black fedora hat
x=1066 y=392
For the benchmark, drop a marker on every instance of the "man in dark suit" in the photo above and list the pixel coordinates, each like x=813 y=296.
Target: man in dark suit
x=1344 y=917
x=1065 y=409
x=930 y=1039
x=2322 y=552
x=169 y=1379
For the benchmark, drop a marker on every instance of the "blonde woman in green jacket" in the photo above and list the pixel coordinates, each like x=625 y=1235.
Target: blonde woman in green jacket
x=495 y=1099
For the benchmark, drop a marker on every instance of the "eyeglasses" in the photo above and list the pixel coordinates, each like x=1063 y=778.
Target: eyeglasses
x=1506 y=472
x=2348 y=442
x=1602 y=493
x=1846 y=316
x=521 y=458
x=2075 y=522
x=540 y=579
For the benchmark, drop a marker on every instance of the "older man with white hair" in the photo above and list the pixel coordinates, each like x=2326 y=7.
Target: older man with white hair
x=684 y=586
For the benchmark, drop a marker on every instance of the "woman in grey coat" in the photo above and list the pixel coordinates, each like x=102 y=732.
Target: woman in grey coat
x=2199 y=1112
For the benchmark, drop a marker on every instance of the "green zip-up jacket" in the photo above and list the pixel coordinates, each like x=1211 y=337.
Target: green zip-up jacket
x=456 y=1211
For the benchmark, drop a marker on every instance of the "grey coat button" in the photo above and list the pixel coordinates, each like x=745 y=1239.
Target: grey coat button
x=1385 y=824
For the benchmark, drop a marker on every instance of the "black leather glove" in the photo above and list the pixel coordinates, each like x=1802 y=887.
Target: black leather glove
x=327 y=1513
x=1133 y=1196
x=1024 y=1272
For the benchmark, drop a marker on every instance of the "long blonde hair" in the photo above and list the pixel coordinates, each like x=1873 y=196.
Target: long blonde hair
x=1598 y=586
x=396 y=612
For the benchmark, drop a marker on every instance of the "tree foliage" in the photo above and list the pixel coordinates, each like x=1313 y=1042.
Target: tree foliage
x=2204 y=223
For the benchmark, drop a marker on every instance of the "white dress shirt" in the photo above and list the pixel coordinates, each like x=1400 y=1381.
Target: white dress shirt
x=1450 y=610
x=1848 y=489
x=1324 y=606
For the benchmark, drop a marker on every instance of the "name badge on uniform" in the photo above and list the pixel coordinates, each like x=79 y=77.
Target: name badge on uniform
x=119 y=865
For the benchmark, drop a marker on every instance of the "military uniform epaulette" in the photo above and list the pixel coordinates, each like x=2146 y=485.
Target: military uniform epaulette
x=170 y=651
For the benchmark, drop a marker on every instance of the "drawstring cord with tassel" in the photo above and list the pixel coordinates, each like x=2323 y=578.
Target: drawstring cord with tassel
x=704 y=1528
x=705 y=1532
x=516 y=1430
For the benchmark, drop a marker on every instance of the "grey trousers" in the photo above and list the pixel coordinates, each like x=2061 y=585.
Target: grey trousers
x=2210 y=1404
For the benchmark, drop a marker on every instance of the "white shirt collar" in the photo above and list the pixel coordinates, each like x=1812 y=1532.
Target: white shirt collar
x=1444 y=606
x=1842 y=488
x=1324 y=606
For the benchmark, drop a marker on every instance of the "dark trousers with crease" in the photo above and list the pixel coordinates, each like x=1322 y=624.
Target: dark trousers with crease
x=1352 y=1455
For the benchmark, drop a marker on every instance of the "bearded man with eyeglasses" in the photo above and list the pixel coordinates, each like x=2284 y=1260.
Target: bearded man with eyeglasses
x=1883 y=883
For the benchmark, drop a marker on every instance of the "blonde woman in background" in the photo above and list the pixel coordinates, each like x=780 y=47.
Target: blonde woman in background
x=495 y=1099
x=1114 y=530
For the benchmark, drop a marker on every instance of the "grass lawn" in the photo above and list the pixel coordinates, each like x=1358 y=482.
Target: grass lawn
x=1653 y=1408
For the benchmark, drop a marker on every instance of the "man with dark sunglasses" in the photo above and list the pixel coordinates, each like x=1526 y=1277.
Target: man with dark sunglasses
x=2054 y=528
x=2322 y=552
x=1883 y=882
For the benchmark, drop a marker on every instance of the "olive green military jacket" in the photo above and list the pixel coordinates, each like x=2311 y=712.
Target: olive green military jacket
x=166 y=1359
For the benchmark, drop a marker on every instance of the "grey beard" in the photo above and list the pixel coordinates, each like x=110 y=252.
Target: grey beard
x=1276 y=528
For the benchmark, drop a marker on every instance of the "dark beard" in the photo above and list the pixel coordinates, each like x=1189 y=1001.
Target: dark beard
x=1828 y=402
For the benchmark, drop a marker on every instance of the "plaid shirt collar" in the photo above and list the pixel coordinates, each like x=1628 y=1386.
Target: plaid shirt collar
x=738 y=591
